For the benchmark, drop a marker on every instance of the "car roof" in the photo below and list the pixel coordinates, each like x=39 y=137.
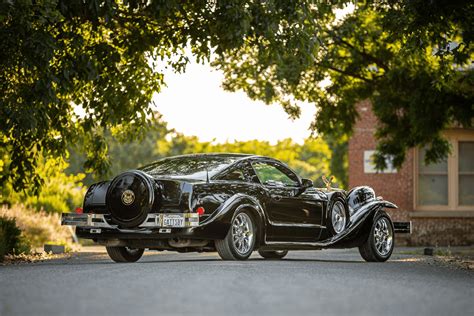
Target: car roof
x=238 y=156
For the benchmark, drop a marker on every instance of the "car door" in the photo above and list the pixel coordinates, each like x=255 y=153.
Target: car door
x=292 y=214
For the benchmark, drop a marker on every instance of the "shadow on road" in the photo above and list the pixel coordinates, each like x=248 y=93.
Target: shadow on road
x=96 y=258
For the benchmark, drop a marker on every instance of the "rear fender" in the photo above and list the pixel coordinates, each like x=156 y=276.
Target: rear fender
x=219 y=223
x=94 y=200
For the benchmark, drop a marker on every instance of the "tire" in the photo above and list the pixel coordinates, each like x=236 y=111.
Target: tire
x=277 y=254
x=338 y=217
x=380 y=243
x=124 y=254
x=130 y=197
x=244 y=231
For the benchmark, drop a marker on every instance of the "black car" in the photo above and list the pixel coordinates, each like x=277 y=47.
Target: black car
x=232 y=203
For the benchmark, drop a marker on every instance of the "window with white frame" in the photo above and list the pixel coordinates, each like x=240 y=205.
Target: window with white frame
x=466 y=173
x=449 y=184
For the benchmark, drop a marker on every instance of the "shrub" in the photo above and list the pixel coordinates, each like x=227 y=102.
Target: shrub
x=38 y=227
x=11 y=239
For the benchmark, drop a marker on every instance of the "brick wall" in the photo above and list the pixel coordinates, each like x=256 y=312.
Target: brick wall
x=398 y=188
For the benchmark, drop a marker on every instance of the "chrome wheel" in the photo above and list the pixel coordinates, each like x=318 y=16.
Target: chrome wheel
x=338 y=217
x=383 y=236
x=242 y=233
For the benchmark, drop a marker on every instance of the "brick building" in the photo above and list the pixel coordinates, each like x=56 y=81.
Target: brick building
x=438 y=199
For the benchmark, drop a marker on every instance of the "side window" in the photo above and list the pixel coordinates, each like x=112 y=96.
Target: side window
x=234 y=175
x=274 y=175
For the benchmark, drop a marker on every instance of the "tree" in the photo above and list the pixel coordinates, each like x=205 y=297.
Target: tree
x=125 y=154
x=412 y=59
x=73 y=70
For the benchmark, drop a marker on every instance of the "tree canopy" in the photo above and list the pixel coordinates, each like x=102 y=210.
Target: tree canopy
x=412 y=59
x=104 y=58
x=73 y=71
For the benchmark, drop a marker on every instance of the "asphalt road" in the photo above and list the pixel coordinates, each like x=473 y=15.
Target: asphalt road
x=313 y=282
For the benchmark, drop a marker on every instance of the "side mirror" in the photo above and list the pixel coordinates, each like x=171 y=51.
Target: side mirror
x=305 y=184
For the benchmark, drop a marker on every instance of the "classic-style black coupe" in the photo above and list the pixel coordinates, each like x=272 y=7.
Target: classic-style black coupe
x=231 y=203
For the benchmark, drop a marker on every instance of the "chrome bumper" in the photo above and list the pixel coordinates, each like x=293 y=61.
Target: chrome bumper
x=99 y=221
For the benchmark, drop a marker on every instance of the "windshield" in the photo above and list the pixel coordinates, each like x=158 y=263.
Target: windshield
x=193 y=167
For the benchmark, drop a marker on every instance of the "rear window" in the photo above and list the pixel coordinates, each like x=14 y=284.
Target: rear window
x=194 y=167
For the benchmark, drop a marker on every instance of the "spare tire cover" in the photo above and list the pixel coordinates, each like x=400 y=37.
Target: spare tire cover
x=130 y=198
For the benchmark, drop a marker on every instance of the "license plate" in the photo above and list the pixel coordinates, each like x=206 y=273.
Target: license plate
x=173 y=220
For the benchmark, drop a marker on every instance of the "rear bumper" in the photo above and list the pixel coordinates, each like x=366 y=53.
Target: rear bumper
x=99 y=221
x=96 y=226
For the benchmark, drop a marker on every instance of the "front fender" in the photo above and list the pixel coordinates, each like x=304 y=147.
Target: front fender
x=359 y=226
x=218 y=224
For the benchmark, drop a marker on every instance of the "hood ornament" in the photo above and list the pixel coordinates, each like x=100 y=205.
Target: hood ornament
x=327 y=182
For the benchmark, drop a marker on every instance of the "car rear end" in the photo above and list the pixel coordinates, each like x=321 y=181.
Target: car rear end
x=137 y=210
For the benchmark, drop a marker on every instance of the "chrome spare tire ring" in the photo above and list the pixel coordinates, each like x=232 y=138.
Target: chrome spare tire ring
x=242 y=233
x=338 y=217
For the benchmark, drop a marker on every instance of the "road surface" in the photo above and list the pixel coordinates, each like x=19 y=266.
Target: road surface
x=315 y=282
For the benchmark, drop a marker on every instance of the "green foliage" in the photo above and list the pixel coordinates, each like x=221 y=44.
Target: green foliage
x=339 y=158
x=412 y=59
x=11 y=240
x=125 y=152
x=60 y=192
x=71 y=71
x=74 y=71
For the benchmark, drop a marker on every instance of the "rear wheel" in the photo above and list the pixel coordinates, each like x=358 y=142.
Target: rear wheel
x=277 y=254
x=379 y=245
x=124 y=254
x=240 y=240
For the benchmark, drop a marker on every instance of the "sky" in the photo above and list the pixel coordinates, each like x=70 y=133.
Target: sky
x=194 y=104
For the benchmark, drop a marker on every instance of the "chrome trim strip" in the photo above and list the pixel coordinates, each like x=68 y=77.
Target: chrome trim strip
x=281 y=224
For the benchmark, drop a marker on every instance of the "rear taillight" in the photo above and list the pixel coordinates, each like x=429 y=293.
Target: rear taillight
x=200 y=210
x=79 y=210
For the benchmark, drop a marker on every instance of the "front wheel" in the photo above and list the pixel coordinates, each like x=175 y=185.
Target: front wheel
x=240 y=240
x=124 y=254
x=276 y=254
x=379 y=245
